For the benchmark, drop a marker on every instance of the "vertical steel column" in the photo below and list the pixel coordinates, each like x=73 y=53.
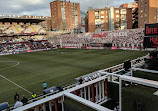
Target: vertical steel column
x=62 y=103
x=85 y=93
x=103 y=90
x=106 y=88
x=96 y=85
x=131 y=69
x=92 y=91
x=89 y=95
x=100 y=91
x=44 y=107
x=50 y=106
x=120 y=98
x=81 y=93
x=36 y=108
x=56 y=104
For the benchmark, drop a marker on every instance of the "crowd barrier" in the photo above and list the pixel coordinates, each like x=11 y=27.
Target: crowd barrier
x=24 y=51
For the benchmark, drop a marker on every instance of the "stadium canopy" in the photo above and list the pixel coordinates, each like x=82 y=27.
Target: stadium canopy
x=18 y=20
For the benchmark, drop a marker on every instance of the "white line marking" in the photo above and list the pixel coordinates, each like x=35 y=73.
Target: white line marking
x=10 y=66
x=16 y=84
x=10 y=80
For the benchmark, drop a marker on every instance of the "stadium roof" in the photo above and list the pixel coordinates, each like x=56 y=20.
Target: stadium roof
x=21 y=20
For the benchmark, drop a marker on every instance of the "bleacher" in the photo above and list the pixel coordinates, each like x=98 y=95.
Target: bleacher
x=3 y=28
x=18 y=35
x=23 y=46
x=21 y=29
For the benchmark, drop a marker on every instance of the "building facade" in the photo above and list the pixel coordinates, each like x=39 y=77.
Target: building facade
x=147 y=12
x=65 y=16
x=96 y=20
x=134 y=7
x=110 y=19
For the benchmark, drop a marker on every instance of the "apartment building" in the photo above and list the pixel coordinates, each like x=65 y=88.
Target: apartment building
x=65 y=16
x=147 y=12
x=108 y=19
x=134 y=7
x=96 y=20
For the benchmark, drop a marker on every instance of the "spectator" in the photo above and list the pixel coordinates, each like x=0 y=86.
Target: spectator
x=60 y=88
x=18 y=104
x=80 y=80
x=24 y=100
x=34 y=96
x=151 y=62
x=16 y=97
x=44 y=85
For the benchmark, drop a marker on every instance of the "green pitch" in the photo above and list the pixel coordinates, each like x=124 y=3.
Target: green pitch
x=55 y=67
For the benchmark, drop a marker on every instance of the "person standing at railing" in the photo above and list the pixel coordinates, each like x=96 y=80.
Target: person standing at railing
x=34 y=96
x=151 y=61
x=24 y=100
x=16 y=96
x=44 y=85
x=18 y=104
x=80 y=80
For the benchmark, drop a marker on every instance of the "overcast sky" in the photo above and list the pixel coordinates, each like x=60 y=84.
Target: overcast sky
x=42 y=8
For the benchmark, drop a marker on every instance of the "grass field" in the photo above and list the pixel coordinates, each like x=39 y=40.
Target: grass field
x=55 y=67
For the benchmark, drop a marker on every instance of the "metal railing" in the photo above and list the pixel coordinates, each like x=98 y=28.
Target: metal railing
x=111 y=77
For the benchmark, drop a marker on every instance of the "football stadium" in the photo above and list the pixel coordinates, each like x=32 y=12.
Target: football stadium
x=56 y=70
x=101 y=60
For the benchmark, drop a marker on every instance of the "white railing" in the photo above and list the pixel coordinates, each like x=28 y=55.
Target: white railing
x=109 y=73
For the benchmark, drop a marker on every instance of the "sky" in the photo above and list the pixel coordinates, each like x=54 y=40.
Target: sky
x=42 y=7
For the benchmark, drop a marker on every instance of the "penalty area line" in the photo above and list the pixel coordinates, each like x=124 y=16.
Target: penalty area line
x=16 y=84
x=10 y=66
x=10 y=80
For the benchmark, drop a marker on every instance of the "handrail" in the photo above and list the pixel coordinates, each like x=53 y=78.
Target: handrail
x=67 y=87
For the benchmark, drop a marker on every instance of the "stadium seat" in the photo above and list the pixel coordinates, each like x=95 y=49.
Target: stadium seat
x=4 y=106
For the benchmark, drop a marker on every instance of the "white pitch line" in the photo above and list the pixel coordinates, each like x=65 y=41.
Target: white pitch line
x=16 y=84
x=10 y=66
x=10 y=80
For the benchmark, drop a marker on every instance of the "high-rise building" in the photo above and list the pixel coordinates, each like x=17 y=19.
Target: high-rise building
x=96 y=20
x=134 y=7
x=65 y=16
x=147 y=12
x=108 y=19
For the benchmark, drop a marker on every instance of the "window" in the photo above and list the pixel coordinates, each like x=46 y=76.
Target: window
x=96 y=13
x=97 y=17
x=117 y=20
x=102 y=25
x=144 y=21
x=141 y=11
x=141 y=16
x=145 y=3
x=102 y=16
x=103 y=21
x=145 y=9
x=117 y=25
x=117 y=11
x=117 y=16
x=102 y=12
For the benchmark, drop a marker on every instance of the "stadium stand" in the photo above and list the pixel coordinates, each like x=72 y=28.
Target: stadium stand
x=17 y=35
x=123 y=39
